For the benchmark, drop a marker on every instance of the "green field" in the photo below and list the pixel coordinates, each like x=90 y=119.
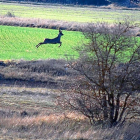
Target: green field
x=20 y=42
x=68 y=13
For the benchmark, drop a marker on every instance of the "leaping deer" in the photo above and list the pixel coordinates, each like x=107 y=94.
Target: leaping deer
x=52 y=41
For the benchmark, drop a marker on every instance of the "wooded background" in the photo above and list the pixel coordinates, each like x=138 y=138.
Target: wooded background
x=86 y=2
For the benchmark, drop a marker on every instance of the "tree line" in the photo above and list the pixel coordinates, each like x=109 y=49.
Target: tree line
x=84 y=2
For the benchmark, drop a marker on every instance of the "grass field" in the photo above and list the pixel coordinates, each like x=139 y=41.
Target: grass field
x=20 y=43
x=68 y=13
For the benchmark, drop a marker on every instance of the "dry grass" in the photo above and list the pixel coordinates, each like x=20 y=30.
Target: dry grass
x=39 y=73
x=38 y=120
x=50 y=122
x=41 y=23
x=46 y=23
x=60 y=127
x=44 y=119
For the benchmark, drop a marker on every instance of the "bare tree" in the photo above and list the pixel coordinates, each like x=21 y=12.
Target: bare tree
x=109 y=66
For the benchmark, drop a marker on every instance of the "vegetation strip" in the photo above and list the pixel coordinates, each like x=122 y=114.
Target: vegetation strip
x=41 y=23
x=67 y=13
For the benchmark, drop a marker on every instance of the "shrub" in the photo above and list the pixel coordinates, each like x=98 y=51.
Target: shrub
x=108 y=89
x=10 y=14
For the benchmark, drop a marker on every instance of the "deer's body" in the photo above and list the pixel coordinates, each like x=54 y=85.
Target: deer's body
x=52 y=41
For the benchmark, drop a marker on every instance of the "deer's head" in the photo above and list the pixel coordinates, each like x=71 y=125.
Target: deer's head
x=60 y=32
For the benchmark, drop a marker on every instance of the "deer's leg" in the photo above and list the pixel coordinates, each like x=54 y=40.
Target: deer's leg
x=60 y=44
x=39 y=44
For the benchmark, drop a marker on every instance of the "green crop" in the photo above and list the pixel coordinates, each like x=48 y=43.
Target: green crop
x=20 y=43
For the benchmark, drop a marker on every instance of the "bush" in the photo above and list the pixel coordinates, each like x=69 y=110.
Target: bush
x=9 y=14
x=108 y=90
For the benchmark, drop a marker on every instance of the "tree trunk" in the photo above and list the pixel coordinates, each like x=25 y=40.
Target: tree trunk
x=111 y=115
x=105 y=111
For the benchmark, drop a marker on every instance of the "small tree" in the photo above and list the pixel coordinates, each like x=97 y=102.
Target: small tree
x=109 y=66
